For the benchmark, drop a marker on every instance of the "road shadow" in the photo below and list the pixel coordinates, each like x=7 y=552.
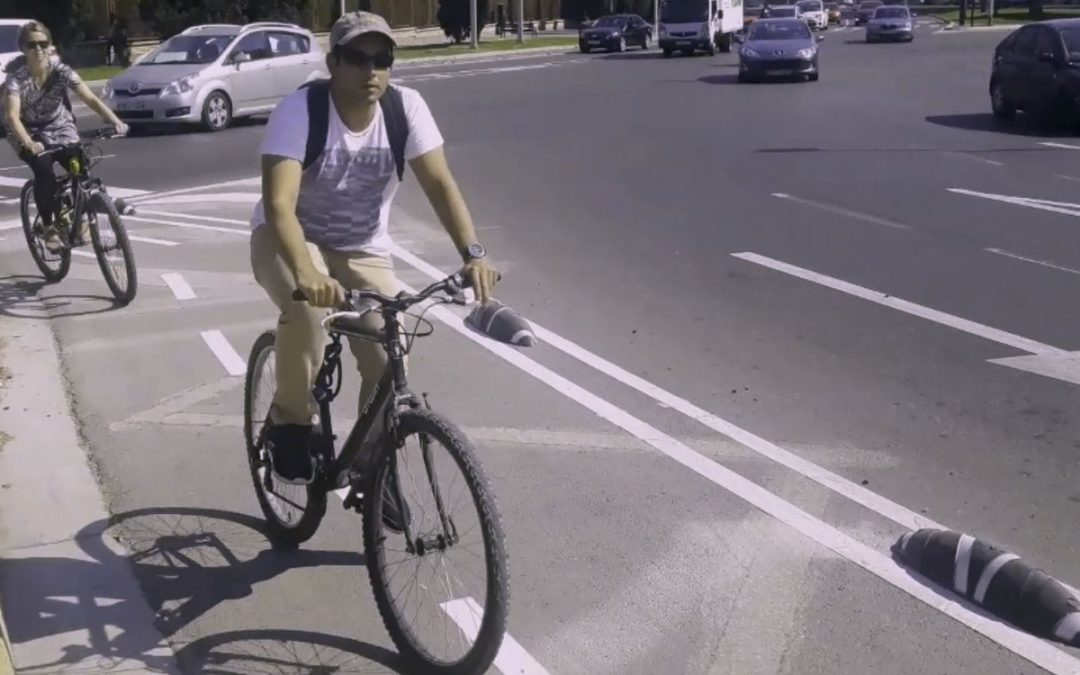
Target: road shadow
x=639 y=55
x=283 y=651
x=20 y=298
x=1023 y=125
x=719 y=79
x=733 y=78
x=183 y=128
x=186 y=562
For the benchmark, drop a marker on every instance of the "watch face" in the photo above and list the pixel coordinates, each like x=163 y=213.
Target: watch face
x=476 y=251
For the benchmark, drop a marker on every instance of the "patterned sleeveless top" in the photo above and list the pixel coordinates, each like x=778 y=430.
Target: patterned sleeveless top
x=43 y=112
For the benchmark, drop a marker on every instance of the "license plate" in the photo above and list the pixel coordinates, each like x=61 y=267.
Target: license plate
x=778 y=72
x=683 y=43
x=594 y=42
x=131 y=105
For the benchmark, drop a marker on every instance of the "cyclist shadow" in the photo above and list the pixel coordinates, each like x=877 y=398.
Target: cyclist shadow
x=187 y=562
x=21 y=298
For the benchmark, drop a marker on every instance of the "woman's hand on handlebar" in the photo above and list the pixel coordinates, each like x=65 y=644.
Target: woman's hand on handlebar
x=36 y=148
x=319 y=289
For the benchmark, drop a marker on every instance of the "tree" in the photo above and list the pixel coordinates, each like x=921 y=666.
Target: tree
x=69 y=20
x=453 y=17
x=169 y=17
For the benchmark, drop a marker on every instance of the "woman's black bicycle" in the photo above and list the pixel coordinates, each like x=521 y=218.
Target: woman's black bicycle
x=81 y=196
x=411 y=530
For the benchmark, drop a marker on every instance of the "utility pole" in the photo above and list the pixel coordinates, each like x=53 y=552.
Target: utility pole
x=342 y=7
x=521 y=21
x=474 y=39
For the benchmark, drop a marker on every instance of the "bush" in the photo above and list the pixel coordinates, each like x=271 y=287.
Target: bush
x=453 y=17
x=169 y=17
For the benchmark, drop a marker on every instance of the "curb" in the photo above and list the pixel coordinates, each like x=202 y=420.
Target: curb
x=7 y=663
x=996 y=580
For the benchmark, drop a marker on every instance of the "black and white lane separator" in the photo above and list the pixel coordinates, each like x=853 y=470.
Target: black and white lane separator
x=999 y=581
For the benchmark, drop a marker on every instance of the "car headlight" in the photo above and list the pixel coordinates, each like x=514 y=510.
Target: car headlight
x=704 y=32
x=181 y=86
x=805 y=53
x=747 y=51
x=107 y=90
x=663 y=31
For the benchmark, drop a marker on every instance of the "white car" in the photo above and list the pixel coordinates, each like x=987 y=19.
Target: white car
x=813 y=12
x=215 y=73
x=9 y=40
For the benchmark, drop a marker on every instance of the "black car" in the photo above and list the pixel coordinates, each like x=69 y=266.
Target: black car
x=866 y=10
x=1037 y=69
x=616 y=33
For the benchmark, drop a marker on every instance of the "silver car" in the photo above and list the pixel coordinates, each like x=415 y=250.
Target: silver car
x=890 y=22
x=215 y=73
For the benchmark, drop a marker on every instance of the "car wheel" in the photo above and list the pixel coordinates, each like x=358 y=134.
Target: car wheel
x=667 y=53
x=647 y=42
x=584 y=50
x=813 y=77
x=217 y=111
x=622 y=45
x=1002 y=109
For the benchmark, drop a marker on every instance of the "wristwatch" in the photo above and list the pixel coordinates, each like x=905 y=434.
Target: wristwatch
x=473 y=252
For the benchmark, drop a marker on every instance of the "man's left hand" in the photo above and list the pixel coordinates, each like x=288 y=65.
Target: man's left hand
x=482 y=277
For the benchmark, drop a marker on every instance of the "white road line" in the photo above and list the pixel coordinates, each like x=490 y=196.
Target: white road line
x=209 y=219
x=1061 y=175
x=151 y=240
x=20 y=167
x=511 y=657
x=1065 y=146
x=178 y=286
x=256 y=181
x=11 y=224
x=219 y=344
x=83 y=254
x=1019 y=201
x=114 y=191
x=842 y=211
x=192 y=226
x=249 y=198
x=975 y=157
x=956 y=607
x=1044 y=263
x=985 y=332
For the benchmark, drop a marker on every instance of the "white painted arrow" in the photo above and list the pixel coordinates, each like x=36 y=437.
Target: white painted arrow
x=1044 y=359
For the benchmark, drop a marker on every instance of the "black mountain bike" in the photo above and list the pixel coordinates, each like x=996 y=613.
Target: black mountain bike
x=374 y=461
x=80 y=195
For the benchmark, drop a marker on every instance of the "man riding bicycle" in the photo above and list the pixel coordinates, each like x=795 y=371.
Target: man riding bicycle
x=323 y=220
x=38 y=118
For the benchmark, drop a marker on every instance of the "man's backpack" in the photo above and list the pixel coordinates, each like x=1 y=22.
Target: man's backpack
x=318 y=101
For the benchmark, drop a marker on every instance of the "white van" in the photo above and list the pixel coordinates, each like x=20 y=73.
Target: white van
x=813 y=12
x=9 y=39
x=688 y=26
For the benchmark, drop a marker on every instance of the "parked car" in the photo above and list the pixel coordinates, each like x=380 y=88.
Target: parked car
x=890 y=22
x=615 y=33
x=866 y=11
x=9 y=40
x=1035 y=70
x=215 y=73
x=778 y=48
x=813 y=13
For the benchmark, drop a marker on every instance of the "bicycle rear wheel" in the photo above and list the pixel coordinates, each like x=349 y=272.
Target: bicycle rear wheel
x=474 y=612
x=122 y=282
x=293 y=512
x=53 y=266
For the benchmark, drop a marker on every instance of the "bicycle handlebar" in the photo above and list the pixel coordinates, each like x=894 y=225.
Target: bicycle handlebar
x=450 y=285
x=96 y=134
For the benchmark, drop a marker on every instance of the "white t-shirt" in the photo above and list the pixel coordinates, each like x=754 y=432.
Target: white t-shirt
x=345 y=195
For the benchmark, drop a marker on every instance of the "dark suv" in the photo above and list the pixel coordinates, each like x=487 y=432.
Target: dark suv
x=1037 y=69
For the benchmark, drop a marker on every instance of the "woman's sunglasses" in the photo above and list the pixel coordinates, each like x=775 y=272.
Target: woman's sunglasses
x=37 y=44
x=381 y=61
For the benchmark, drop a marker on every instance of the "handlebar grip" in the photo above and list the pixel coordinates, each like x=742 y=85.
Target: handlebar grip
x=299 y=296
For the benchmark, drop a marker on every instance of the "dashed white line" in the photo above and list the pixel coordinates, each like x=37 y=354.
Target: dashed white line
x=219 y=344
x=180 y=288
x=83 y=254
x=209 y=219
x=955 y=322
x=1035 y=261
x=1064 y=146
x=192 y=226
x=251 y=182
x=511 y=657
x=152 y=240
x=976 y=158
x=842 y=211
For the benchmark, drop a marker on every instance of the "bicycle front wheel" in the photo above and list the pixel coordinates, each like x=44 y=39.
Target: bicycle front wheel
x=434 y=485
x=112 y=248
x=54 y=266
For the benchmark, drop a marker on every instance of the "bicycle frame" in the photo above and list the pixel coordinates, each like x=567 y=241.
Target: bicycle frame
x=82 y=185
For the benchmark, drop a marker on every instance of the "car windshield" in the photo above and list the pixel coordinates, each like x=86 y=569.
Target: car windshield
x=810 y=6
x=891 y=13
x=9 y=39
x=188 y=49
x=869 y=5
x=753 y=4
x=684 y=11
x=609 y=22
x=782 y=12
x=779 y=30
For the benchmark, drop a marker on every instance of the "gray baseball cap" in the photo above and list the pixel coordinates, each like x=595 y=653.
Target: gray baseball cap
x=354 y=24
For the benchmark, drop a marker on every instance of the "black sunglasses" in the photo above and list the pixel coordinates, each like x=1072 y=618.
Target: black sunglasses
x=381 y=61
x=43 y=44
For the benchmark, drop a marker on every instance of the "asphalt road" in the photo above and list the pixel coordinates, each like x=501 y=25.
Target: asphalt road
x=735 y=249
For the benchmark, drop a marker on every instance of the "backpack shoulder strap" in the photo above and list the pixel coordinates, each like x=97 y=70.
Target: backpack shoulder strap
x=318 y=105
x=397 y=126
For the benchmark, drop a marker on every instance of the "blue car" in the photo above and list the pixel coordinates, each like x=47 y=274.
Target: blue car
x=778 y=48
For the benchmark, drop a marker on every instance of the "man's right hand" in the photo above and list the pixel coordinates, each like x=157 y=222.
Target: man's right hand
x=36 y=148
x=321 y=290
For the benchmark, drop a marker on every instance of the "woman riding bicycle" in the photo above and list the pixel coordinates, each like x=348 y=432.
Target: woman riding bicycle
x=38 y=117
